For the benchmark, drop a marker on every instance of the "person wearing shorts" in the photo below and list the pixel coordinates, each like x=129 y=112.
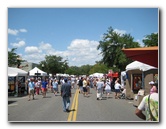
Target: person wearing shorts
x=84 y=87
x=55 y=86
x=117 y=89
x=31 y=86
x=44 y=87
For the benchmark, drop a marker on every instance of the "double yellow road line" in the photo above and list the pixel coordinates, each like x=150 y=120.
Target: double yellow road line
x=73 y=113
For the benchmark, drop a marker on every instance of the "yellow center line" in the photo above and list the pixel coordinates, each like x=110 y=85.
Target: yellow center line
x=74 y=107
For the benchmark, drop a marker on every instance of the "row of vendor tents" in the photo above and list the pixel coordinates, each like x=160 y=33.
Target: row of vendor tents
x=133 y=69
x=13 y=72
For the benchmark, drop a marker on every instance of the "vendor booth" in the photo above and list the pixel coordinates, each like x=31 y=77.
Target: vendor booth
x=16 y=81
x=36 y=72
x=138 y=75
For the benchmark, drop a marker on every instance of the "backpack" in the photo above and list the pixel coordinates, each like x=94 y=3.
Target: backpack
x=80 y=82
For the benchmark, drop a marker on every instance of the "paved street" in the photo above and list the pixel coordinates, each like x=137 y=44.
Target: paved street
x=83 y=109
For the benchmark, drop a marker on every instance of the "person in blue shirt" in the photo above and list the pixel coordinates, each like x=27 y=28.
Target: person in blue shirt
x=31 y=86
x=44 y=87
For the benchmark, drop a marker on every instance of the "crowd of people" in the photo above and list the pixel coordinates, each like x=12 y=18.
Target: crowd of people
x=101 y=85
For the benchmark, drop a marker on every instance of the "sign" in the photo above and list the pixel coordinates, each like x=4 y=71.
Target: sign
x=37 y=73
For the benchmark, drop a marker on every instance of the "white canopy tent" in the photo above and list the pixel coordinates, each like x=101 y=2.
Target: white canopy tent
x=35 y=71
x=99 y=75
x=140 y=66
x=13 y=72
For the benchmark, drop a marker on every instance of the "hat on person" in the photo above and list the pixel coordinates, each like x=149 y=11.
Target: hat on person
x=151 y=82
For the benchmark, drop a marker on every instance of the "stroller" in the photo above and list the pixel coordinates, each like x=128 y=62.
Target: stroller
x=122 y=94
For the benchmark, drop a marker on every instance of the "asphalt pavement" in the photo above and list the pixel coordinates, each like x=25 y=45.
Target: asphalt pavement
x=82 y=109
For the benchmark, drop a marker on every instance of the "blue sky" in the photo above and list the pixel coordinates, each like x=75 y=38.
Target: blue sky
x=73 y=33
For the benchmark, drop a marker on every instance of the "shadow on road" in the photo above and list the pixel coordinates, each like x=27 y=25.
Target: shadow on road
x=10 y=102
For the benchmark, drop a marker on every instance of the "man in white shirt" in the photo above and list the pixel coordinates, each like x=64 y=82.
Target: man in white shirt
x=149 y=104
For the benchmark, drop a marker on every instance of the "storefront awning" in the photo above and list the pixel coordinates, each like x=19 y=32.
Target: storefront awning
x=147 y=55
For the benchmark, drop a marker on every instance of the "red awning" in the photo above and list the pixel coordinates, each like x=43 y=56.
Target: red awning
x=147 y=55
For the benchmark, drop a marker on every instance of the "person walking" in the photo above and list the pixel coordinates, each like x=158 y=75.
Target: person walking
x=80 y=83
x=107 y=88
x=38 y=85
x=117 y=89
x=55 y=86
x=44 y=87
x=99 y=87
x=84 y=87
x=66 y=94
x=73 y=82
x=88 y=87
x=31 y=86
x=149 y=104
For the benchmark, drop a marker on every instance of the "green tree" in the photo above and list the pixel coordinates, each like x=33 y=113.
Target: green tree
x=151 y=40
x=53 y=64
x=73 y=70
x=99 y=68
x=13 y=58
x=111 y=48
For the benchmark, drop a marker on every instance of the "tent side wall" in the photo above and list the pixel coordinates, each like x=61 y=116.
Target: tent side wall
x=129 y=81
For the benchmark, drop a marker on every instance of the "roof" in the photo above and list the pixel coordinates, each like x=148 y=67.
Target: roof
x=147 y=55
x=12 y=72
x=143 y=48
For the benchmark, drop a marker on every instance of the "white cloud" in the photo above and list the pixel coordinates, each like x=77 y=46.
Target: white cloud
x=32 y=50
x=121 y=32
x=35 y=57
x=23 y=30
x=140 y=42
x=82 y=52
x=13 y=32
x=79 y=52
x=19 y=44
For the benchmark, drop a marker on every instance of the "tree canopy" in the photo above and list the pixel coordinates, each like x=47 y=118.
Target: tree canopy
x=151 y=40
x=111 y=48
x=53 y=64
x=13 y=58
